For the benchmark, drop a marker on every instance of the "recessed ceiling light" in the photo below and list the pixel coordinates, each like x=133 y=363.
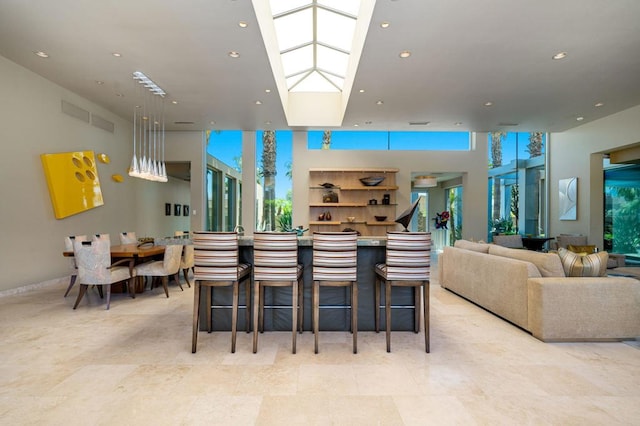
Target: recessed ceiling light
x=243 y=24
x=212 y=122
x=361 y=90
x=579 y=118
x=117 y=55
x=405 y=54
x=599 y=104
x=267 y=90
x=41 y=54
x=174 y=102
x=258 y=102
x=267 y=123
x=559 y=55
x=234 y=54
x=488 y=103
x=356 y=125
x=99 y=82
x=384 y=24
x=368 y=122
x=379 y=102
x=458 y=123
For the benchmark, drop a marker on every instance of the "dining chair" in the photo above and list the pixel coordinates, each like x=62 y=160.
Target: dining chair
x=187 y=261
x=407 y=264
x=275 y=264
x=128 y=238
x=335 y=265
x=68 y=246
x=169 y=266
x=217 y=264
x=95 y=268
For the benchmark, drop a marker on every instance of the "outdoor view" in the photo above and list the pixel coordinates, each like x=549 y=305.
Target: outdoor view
x=622 y=210
x=516 y=183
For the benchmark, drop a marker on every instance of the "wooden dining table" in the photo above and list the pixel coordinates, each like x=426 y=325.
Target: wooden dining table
x=137 y=253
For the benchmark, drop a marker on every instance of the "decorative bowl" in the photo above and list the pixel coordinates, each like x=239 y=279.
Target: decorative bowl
x=380 y=218
x=327 y=185
x=372 y=180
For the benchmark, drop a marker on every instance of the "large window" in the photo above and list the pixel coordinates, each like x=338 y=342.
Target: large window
x=273 y=188
x=517 y=194
x=389 y=141
x=224 y=180
x=622 y=211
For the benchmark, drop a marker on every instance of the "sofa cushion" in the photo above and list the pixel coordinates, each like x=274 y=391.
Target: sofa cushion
x=471 y=245
x=548 y=264
x=578 y=265
x=511 y=241
x=588 y=249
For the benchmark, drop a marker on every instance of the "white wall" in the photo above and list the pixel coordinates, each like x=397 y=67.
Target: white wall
x=577 y=153
x=32 y=123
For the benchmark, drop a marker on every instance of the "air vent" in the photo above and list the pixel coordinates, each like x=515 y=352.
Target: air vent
x=75 y=111
x=183 y=122
x=102 y=123
x=418 y=123
x=507 y=124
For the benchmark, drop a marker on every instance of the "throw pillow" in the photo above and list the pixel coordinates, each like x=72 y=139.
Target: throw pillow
x=582 y=249
x=577 y=265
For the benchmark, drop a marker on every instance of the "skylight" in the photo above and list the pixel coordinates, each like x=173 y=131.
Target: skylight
x=314 y=47
x=314 y=39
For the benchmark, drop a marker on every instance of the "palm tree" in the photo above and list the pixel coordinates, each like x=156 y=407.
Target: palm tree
x=496 y=161
x=534 y=148
x=269 y=175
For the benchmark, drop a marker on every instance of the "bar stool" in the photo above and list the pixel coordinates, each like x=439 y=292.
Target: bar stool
x=217 y=264
x=408 y=256
x=335 y=265
x=275 y=264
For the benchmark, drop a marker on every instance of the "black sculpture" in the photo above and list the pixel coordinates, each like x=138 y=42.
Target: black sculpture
x=405 y=217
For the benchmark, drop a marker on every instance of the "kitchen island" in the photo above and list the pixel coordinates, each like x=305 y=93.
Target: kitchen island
x=334 y=309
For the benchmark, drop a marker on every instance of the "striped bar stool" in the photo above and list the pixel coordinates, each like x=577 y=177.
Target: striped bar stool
x=275 y=264
x=217 y=265
x=408 y=257
x=335 y=265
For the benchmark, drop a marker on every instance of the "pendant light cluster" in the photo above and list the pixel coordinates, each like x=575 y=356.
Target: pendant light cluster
x=148 y=131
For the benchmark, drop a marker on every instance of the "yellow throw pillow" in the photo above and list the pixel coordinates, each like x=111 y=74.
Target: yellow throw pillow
x=589 y=265
x=581 y=249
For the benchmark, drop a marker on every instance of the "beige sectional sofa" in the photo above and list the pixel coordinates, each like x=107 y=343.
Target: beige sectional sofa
x=530 y=290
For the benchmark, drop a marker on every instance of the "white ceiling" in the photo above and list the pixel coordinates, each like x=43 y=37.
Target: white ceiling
x=464 y=53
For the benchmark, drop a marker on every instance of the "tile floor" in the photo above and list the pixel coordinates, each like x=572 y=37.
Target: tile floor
x=132 y=365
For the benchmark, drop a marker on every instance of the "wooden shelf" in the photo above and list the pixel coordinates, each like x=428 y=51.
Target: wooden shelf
x=381 y=223
x=324 y=222
x=369 y=188
x=337 y=205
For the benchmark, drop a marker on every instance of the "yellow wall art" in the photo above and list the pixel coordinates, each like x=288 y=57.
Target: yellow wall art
x=73 y=182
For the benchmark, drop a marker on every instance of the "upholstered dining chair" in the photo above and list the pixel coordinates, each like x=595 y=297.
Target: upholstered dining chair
x=68 y=246
x=407 y=264
x=128 y=238
x=217 y=264
x=187 y=261
x=335 y=259
x=95 y=268
x=169 y=266
x=275 y=264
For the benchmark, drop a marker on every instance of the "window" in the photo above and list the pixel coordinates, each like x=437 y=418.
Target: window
x=622 y=211
x=224 y=180
x=389 y=141
x=517 y=191
x=273 y=188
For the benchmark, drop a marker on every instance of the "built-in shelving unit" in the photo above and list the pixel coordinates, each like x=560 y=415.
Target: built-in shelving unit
x=354 y=200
